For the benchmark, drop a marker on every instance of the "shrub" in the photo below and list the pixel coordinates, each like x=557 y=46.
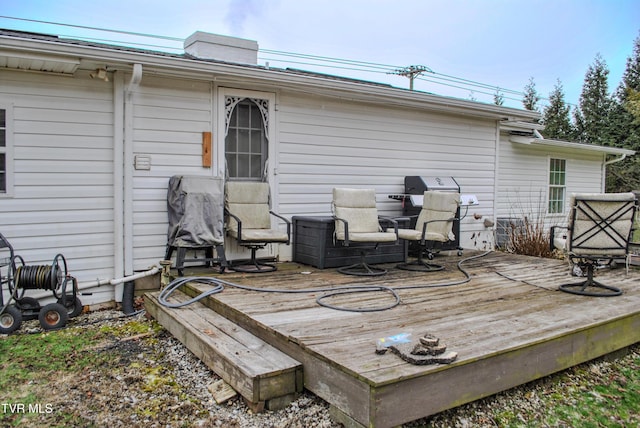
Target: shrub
x=529 y=238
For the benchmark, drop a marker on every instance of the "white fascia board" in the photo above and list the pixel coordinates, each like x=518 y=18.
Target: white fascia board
x=519 y=125
x=222 y=72
x=570 y=145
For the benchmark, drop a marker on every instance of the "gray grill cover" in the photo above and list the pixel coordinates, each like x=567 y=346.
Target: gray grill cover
x=196 y=211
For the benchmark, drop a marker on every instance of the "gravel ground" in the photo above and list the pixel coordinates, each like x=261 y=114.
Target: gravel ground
x=157 y=382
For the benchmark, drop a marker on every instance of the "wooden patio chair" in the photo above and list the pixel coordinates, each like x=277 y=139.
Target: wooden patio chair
x=599 y=230
x=357 y=222
x=247 y=206
x=434 y=227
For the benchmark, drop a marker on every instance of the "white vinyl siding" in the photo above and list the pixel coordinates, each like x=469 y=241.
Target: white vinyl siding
x=63 y=172
x=523 y=185
x=325 y=143
x=169 y=117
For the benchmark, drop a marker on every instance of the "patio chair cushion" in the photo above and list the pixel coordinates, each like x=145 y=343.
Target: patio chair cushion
x=600 y=224
x=437 y=208
x=358 y=208
x=249 y=201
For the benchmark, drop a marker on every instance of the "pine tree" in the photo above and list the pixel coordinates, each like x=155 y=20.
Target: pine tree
x=594 y=105
x=531 y=98
x=556 y=118
x=629 y=97
x=624 y=126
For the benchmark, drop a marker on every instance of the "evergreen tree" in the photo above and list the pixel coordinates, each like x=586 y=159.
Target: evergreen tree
x=624 y=126
x=531 y=98
x=594 y=105
x=556 y=118
x=629 y=97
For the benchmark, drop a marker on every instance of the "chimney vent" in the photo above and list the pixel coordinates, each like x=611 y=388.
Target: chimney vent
x=223 y=48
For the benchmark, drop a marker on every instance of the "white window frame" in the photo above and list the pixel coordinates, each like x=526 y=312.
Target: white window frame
x=272 y=160
x=250 y=129
x=7 y=150
x=551 y=186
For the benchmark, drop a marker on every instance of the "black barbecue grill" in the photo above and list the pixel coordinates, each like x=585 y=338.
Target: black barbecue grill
x=414 y=188
x=195 y=207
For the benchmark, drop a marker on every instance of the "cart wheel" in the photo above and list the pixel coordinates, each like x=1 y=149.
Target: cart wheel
x=53 y=316
x=74 y=306
x=10 y=320
x=29 y=308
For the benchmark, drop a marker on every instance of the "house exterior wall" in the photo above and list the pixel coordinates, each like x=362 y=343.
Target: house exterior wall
x=318 y=143
x=68 y=196
x=169 y=117
x=326 y=143
x=63 y=196
x=524 y=179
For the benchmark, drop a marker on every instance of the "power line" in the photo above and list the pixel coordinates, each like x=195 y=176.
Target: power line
x=412 y=72
x=84 y=27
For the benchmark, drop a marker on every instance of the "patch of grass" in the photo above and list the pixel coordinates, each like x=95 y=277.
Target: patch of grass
x=28 y=361
x=24 y=357
x=131 y=328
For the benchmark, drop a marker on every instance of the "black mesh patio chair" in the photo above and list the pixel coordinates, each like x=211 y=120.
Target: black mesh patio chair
x=599 y=230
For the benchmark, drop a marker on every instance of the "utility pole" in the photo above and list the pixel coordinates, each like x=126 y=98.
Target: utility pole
x=411 y=72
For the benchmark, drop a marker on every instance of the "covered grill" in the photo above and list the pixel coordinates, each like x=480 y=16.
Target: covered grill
x=414 y=188
x=195 y=206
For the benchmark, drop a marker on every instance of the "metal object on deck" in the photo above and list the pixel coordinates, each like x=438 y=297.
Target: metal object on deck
x=195 y=206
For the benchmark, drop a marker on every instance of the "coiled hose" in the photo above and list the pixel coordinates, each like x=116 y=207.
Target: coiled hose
x=219 y=284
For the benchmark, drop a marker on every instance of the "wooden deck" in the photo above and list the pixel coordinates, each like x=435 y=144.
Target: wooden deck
x=508 y=324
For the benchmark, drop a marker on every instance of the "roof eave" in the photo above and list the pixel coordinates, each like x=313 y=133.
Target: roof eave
x=570 y=145
x=229 y=72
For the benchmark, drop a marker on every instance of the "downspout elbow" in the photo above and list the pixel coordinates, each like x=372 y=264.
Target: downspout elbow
x=616 y=160
x=136 y=77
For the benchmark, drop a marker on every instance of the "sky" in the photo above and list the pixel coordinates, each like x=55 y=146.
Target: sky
x=468 y=49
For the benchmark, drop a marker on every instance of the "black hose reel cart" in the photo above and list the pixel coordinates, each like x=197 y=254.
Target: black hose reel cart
x=18 y=277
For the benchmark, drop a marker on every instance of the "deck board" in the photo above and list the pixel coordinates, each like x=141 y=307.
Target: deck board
x=254 y=368
x=508 y=323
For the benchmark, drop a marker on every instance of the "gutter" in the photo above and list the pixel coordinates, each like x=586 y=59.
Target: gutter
x=233 y=73
x=604 y=168
x=622 y=154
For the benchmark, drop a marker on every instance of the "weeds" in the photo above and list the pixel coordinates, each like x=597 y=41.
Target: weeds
x=529 y=233
x=530 y=238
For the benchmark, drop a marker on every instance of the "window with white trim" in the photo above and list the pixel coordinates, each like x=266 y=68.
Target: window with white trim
x=557 y=185
x=246 y=141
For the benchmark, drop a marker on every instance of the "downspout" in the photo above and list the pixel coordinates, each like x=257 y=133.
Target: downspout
x=604 y=168
x=136 y=77
x=118 y=163
x=496 y=181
